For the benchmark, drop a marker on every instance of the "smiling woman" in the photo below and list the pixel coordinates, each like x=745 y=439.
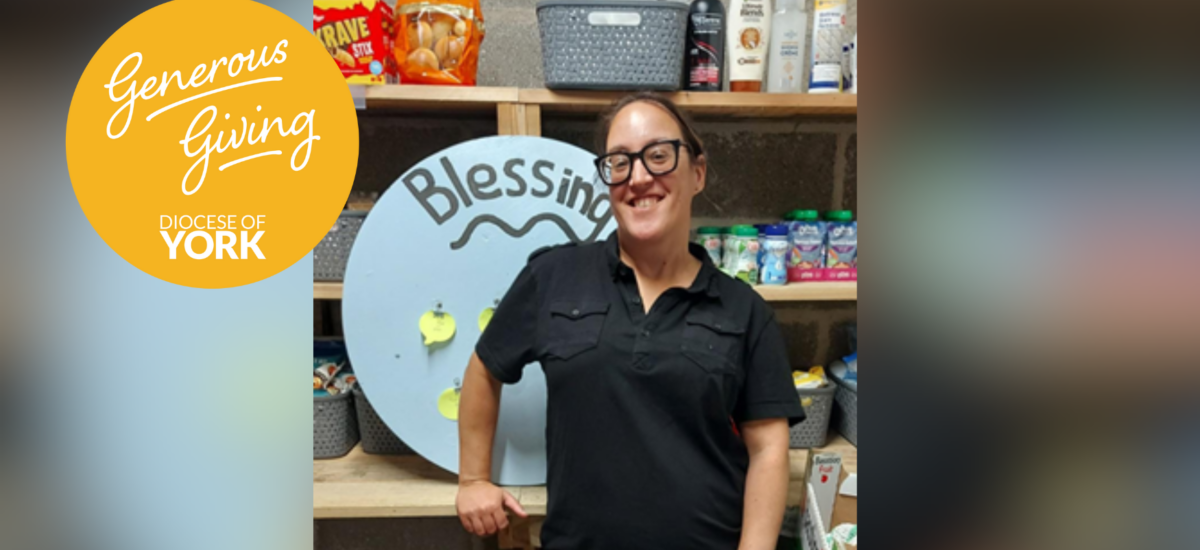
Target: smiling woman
x=668 y=386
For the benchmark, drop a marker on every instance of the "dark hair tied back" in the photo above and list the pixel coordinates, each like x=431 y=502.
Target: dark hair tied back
x=690 y=137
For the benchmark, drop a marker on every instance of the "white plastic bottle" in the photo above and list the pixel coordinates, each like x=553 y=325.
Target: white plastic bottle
x=785 y=59
x=829 y=20
x=854 y=64
x=749 y=35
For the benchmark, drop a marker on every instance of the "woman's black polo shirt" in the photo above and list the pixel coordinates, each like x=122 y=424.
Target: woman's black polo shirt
x=641 y=446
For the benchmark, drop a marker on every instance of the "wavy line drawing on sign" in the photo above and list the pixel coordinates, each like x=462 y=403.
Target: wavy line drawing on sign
x=518 y=233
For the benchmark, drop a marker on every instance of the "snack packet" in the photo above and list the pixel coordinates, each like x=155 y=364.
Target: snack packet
x=814 y=378
x=437 y=41
x=359 y=35
x=343 y=383
x=325 y=374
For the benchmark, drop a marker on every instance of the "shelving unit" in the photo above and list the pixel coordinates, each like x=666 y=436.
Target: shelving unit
x=798 y=292
x=439 y=98
x=705 y=103
x=519 y=110
x=361 y=485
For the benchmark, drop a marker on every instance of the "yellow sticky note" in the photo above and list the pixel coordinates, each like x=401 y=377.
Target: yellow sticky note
x=448 y=404
x=437 y=327
x=485 y=318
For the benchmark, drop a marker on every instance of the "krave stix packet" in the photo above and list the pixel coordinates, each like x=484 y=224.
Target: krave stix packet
x=359 y=35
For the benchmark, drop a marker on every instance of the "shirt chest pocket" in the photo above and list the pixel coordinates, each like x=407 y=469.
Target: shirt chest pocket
x=706 y=332
x=574 y=327
x=714 y=344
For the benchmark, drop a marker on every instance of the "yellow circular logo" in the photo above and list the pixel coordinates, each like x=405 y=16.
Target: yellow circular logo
x=212 y=143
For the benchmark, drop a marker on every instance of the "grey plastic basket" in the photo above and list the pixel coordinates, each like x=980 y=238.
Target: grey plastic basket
x=813 y=430
x=845 y=412
x=335 y=429
x=377 y=438
x=330 y=255
x=613 y=44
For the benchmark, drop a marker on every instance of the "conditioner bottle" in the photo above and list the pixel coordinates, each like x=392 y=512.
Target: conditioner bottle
x=749 y=32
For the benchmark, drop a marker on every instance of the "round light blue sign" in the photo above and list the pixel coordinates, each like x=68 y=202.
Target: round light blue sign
x=449 y=237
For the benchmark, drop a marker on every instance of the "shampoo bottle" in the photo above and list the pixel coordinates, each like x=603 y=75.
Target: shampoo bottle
x=749 y=33
x=786 y=60
x=705 y=55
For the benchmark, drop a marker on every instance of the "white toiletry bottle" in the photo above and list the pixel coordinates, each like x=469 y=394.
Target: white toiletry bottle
x=785 y=58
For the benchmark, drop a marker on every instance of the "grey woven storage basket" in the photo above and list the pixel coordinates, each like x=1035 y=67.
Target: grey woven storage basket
x=845 y=412
x=813 y=430
x=330 y=255
x=377 y=438
x=335 y=429
x=612 y=44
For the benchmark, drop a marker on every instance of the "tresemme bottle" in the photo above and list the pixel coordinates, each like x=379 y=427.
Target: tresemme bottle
x=705 y=54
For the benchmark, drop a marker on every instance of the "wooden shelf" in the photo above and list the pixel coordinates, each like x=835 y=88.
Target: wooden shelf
x=705 y=103
x=473 y=98
x=809 y=292
x=361 y=485
x=327 y=291
x=439 y=98
x=801 y=292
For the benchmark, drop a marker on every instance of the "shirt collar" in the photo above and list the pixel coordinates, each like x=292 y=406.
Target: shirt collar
x=705 y=281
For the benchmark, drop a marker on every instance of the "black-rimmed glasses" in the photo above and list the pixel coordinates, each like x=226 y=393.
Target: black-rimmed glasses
x=659 y=159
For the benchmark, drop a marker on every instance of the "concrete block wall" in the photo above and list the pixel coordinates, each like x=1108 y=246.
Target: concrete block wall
x=511 y=54
x=758 y=170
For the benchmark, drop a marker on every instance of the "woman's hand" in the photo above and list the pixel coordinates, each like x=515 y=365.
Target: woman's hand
x=480 y=506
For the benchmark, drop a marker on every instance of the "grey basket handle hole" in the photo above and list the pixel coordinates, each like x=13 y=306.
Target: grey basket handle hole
x=614 y=19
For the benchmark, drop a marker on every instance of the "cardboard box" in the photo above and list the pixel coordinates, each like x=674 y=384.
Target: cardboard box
x=845 y=506
x=360 y=36
x=824 y=474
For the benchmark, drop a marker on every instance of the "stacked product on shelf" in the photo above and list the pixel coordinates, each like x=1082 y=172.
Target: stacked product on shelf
x=802 y=248
x=335 y=428
x=417 y=42
x=359 y=35
x=816 y=394
x=603 y=44
x=845 y=377
x=342 y=415
x=822 y=250
x=613 y=44
x=705 y=52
